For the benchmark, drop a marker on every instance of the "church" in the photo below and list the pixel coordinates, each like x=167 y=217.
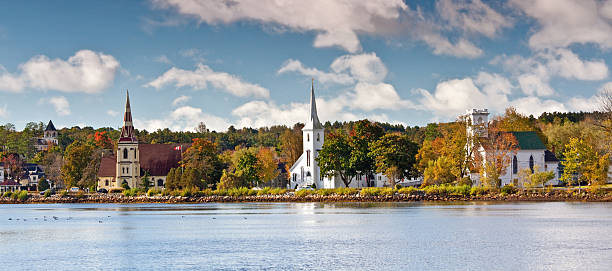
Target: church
x=306 y=172
x=531 y=151
x=49 y=138
x=134 y=160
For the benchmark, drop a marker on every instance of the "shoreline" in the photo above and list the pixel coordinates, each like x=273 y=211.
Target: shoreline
x=122 y=199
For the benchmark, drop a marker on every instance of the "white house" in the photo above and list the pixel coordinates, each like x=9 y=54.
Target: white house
x=531 y=151
x=49 y=138
x=306 y=172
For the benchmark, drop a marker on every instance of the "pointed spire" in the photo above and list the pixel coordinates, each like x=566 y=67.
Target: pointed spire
x=314 y=118
x=127 y=131
x=50 y=126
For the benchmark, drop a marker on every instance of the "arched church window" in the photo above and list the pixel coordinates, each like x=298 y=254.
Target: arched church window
x=307 y=137
x=125 y=153
x=308 y=174
x=160 y=182
x=531 y=163
x=308 y=158
x=514 y=165
x=318 y=137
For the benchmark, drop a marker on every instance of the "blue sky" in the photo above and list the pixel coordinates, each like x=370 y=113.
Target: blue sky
x=249 y=63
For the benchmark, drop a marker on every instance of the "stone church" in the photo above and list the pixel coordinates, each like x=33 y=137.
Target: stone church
x=49 y=138
x=134 y=160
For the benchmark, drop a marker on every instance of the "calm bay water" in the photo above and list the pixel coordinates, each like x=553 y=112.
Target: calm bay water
x=307 y=236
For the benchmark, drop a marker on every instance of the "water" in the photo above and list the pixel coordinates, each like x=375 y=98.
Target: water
x=307 y=236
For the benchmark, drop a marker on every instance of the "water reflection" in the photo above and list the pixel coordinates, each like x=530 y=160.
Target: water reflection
x=308 y=236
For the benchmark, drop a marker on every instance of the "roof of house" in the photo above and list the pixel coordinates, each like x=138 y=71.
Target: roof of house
x=529 y=141
x=9 y=182
x=550 y=156
x=156 y=159
x=50 y=126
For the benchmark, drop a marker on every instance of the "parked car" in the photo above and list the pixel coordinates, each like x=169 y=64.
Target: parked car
x=102 y=190
x=74 y=189
x=304 y=188
x=51 y=191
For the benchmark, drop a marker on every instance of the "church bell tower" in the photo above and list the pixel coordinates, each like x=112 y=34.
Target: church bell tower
x=313 y=136
x=128 y=165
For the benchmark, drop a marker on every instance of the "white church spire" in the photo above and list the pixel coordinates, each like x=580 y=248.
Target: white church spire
x=313 y=121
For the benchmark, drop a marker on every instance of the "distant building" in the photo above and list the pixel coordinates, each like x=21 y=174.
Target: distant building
x=133 y=159
x=306 y=172
x=531 y=151
x=49 y=138
x=28 y=178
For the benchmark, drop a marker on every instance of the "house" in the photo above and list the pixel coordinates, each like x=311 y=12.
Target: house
x=306 y=172
x=27 y=179
x=49 y=138
x=531 y=152
x=134 y=160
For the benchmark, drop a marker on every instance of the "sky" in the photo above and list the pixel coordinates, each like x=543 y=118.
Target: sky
x=249 y=63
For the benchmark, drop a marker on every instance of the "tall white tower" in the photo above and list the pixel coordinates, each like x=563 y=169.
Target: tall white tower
x=313 y=136
x=128 y=165
x=478 y=122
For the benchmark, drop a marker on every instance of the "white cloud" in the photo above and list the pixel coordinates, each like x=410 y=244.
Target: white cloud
x=363 y=67
x=202 y=76
x=293 y=65
x=61 y=105
x=112 y=113
x=3 y=112
x=181 y=100
x=532 y=84
x=163 y=59
x=472 y=17
x=87 y=71
x=536 y=106
x=185 y=118
x=368 y=97
x=335 y=22
x=568 y=65
x=442 y=46
x=566 y=22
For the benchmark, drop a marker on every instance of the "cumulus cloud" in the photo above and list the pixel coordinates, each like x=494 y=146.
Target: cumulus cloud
x=86 y=71
x=339 y=23
x=163 y=59
x=472 y=16
x=562 y=23
x=61 y=105
x=185 y=118
x=365 y=72
x=180 y=100
x=112 y=113
x=452 y=97
x=202 y=76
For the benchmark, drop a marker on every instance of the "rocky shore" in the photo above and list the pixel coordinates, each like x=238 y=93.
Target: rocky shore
x=291 y=197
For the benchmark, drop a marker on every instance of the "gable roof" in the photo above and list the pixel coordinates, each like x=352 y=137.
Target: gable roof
x=529 y=141
x=108 y=166
x=550 y=156
x=158 y=159
x=50 y=126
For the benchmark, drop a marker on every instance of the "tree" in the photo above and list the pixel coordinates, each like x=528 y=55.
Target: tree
x=291 y=145
x=499 y=148
x=43 y=184
x=230 y=180
x=439 y=172
x=395 y=156
x=171 y=183
x=267 y=168
x=335 y=158
x=203 y=156
x=146 y=181
x=362 y=135
x=78 y=155
x=540 y=178
x=583 y=164
x=246 y=166
x=90 y=172
x=102 y=140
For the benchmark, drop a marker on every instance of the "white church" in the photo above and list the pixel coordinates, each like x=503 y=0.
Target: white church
x=306 y=172
x=531 y=151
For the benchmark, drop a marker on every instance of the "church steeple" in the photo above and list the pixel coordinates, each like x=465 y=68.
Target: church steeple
x=313 y=121
x=127 y=131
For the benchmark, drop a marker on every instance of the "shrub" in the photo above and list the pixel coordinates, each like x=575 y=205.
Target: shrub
x=509 y=189
x=479 y=191
x=407 y=190
x=303 y=193
x=64 y=193
x=166 y=192
x=7 y=194
x=264 y=191
x=369 y=191
x=325 y=192
x=278 y=191
x=116 y=190
x=152 y=192
x=22 y=195
x=398 y=186
x=129 y=192
x=47 y=193
x=220 y=192
x=465 y=181
x=461 y=190
x=377 y=191
x=347 y=191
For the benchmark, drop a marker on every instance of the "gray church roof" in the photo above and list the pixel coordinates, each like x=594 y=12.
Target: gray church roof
x=50 y=126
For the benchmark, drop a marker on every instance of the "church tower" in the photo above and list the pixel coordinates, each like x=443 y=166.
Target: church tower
x=128 y=165
x=478 y=122
x=313 y=136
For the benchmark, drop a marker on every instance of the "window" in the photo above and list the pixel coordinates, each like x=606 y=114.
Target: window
x=302 y=168
x=125 y=153
x=160 y=182
x=134 y=153
x=308 y=137
x=318 y=137
x=106 y=182
x=294 y=177
x=514 y=165
x=308 y=158
x=531 y=163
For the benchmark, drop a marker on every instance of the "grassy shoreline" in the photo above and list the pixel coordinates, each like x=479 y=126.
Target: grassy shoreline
x=431 y=193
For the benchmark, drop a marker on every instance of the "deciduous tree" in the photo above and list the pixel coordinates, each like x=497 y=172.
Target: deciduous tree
x=395 y=156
